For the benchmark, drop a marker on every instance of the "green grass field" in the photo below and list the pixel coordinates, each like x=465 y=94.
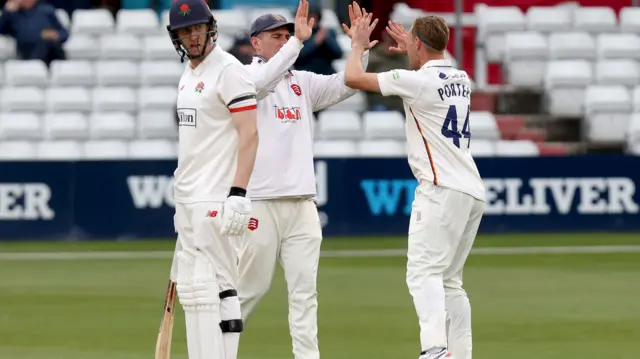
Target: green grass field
x=525 y=306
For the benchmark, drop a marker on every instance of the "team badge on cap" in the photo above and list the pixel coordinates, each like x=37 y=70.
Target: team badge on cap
x=184 y=10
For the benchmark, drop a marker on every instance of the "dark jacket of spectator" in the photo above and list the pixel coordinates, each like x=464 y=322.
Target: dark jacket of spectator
x=320 y=50
x=38 y=32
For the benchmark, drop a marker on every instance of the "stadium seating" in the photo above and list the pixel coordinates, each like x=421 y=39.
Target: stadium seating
x=115 y=95
x=582 y=59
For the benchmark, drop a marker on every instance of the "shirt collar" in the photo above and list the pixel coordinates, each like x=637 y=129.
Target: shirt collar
x=213 y=54
x=258 y=59
x=437 y=63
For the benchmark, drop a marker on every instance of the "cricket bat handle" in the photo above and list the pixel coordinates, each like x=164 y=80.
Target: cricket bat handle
x=163 y=343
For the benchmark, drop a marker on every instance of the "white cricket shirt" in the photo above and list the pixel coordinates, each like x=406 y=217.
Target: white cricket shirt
x=437 y=104
x=208 y=140
x=284 y=163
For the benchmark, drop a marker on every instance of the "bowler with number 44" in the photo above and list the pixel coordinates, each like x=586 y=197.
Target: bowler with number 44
x=449 y=200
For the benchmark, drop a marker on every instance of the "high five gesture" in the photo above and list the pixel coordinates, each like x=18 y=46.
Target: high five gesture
x=303 y=25
x=361 y=32
x=355 y=13
x=398 y=33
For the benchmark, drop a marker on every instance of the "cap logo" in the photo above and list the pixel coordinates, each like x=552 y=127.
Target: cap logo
x=279 y=18
x=184 y=10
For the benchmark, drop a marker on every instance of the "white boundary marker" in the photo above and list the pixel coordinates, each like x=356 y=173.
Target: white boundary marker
x=115 y=255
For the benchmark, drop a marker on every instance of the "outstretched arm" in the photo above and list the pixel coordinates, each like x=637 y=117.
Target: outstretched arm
x=356 y=77
x=401 y=83
x=328 y=90
x=267 y=76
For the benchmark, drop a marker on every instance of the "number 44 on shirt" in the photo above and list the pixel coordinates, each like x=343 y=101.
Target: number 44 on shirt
x=450 y=126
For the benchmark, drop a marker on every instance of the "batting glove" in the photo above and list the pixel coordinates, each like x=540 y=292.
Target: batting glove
x=236 y=213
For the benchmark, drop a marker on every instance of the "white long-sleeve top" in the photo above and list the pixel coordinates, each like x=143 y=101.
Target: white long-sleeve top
x=284 y=163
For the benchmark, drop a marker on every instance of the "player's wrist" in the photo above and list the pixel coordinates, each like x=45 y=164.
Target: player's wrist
x=237 y=191
x=359 y=48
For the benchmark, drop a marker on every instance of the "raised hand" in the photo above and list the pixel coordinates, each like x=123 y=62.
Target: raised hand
x=362 y=32
x=398 y=33
x=303 y=25
x=354 y=14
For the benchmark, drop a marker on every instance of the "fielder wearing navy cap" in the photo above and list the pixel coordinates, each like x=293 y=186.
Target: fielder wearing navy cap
x=185 y=14
x=270 y=22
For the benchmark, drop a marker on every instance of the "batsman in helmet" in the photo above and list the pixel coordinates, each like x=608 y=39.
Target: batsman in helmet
x=218 y=140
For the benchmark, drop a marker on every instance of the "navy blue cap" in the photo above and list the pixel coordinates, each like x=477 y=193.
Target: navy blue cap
x=185 y=13
x=269 y=22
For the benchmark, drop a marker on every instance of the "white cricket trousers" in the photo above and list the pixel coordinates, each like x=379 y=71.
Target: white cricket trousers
x=442 y=229
x=288 y=231
x=214 y=283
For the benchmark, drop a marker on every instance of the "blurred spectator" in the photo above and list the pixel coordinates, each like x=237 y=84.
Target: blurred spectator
x=320 y=50
x=70 y=5
x=382 y=60
x=38 y=32
x=242 y=49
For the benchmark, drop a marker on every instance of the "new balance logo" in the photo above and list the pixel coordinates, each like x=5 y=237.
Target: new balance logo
x=253 y=224
x=212 y=214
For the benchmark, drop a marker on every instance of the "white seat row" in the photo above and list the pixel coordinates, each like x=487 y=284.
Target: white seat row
x=90 y=150
x=378 y=125
x=127 y=46
x=558 y=73
x=495 y=22
x=608 y=111
x=83 y=46
x=576 y=99
x=570 y=45
x=79 y=99
x=78 y=126
x=496 y=19
x=145 y=21
x=395 y=148
x=347 y=125
x=88 y=73
x=111 y=98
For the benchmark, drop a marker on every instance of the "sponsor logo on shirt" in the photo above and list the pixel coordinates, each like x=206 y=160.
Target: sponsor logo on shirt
x=187 y=117
x=287 y=114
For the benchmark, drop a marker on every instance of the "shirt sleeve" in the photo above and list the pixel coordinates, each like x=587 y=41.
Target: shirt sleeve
x=236 y=89
x=328 y=90
x=402 y=83
x=268 y=75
